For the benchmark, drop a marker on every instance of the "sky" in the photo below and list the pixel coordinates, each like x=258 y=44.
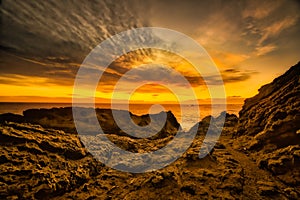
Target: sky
x=43 y=44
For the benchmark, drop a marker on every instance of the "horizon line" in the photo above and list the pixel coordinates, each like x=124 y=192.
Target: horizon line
x=137 y=103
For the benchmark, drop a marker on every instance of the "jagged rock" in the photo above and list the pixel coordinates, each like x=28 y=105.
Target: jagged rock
x=273 y=115
x=228 y=127
x=36 y=163
x=10 y=117
x=62 y=119
x=291 y=193
x=268 y=125
x=284 y=163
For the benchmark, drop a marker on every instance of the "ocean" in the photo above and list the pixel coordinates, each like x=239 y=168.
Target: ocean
x=187 y=113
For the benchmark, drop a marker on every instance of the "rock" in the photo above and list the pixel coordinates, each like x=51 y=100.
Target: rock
x=62 y=119
x=38 y=163
x=188 y=189
x=291 y=193
x=273 y=115
x=284 y=163
x=268 y=128
x=9 y=117
x=157 y=179
x=267 y=190
x=216 y=125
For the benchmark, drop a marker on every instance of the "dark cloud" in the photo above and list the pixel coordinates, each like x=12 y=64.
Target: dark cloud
x=68 y=29
x=55 y=73
x=195 y=80
x=235 y=75
x=232 y=75
x=51 y=38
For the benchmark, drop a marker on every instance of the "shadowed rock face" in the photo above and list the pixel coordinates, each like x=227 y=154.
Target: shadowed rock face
x=273 y=115
x=229 y=124
x=269 y=127
x=62 y=119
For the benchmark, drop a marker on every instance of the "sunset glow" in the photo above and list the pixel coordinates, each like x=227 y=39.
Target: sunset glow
x=248 y=41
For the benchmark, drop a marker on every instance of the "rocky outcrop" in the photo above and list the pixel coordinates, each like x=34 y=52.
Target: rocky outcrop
x=227 y=127
x=38 y=163
x=284 y=163
x=273 y=115
x=269 y=126
x=43 y=163
x=62 y=119
x=10 y=117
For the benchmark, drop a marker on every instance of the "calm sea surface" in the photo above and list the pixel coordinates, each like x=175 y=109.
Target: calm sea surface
x=187 y=112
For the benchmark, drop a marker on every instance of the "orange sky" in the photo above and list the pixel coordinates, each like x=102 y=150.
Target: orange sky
x=251 y=42
x=24 y=88
x=40 y=89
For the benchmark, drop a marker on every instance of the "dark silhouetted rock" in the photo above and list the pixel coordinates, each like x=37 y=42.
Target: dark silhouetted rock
x=10 y=117
x=273 y=115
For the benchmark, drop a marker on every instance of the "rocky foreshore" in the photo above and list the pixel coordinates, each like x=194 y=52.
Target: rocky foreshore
x=256 y=157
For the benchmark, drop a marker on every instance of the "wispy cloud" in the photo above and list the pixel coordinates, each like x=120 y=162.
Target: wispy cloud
x=260 y=9
x=277 y=27
x=262 y=50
